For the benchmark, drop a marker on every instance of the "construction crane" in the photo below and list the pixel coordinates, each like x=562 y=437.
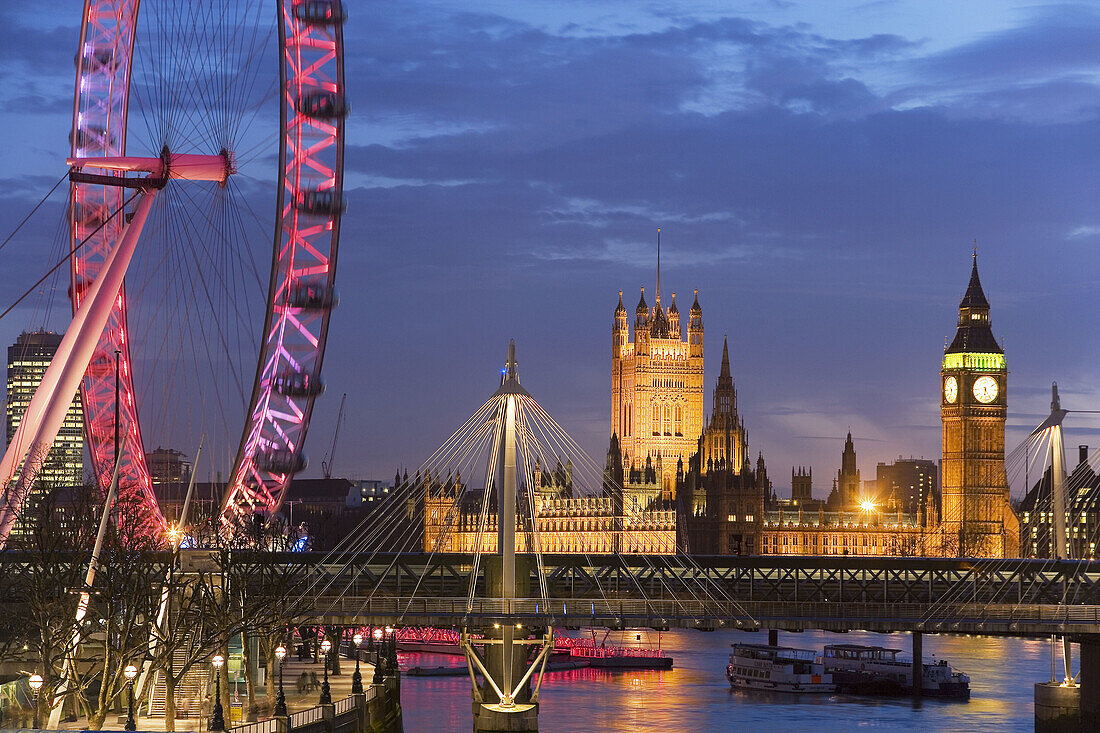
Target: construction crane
x=326 y=465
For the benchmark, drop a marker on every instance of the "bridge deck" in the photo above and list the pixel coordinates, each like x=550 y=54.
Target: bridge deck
x=1025 y=597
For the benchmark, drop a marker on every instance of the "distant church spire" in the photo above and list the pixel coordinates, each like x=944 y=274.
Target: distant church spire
x=725 y=361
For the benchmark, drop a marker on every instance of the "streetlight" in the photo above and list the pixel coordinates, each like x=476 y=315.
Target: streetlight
x=217 y=718
x=391 y=663
x=131 y=673
x=378 y=678
x=36 y=684
x=280 y=701
x=357 y=678
x=326 y=696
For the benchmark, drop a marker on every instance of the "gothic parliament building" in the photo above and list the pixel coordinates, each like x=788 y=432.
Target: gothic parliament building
x=677 y=480
x=700 y=466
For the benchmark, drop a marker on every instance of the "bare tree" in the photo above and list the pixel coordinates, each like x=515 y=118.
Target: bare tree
x=43 y=567
x=124 y=604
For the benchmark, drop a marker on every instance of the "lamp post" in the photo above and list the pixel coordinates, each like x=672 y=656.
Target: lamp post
x=326 y=696
x=280 y=701
x=217 y=718
x=391 y=650
x=357 y=678
x=36 y=684
x=131 y=673
x=377 y=679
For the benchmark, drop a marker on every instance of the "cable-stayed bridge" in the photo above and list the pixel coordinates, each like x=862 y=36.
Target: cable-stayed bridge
x=504 y=587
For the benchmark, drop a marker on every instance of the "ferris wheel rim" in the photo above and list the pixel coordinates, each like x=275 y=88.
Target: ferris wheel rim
x=100 y=127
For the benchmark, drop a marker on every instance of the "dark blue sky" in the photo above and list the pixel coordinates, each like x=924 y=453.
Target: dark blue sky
x=819 y=171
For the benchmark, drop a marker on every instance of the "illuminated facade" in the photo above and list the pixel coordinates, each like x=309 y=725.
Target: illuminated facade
x=628 y=523
x=978 y=520
x=28 y=359
x=798 y=532
x=657 y=385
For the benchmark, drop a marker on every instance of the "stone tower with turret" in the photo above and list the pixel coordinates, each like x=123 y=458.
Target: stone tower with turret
x=978 y=520
x=657 y=385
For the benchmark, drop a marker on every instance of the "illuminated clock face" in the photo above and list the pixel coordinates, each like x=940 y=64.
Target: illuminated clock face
x=985 y=389
x=950 y=389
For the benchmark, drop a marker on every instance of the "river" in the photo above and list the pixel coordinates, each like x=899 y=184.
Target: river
x=694 y=695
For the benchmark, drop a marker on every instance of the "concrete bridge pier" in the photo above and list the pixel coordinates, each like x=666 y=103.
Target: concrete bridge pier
x=773 y=637
x=1069 y=709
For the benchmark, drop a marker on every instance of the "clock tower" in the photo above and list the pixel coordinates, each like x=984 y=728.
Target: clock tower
x=978 y=520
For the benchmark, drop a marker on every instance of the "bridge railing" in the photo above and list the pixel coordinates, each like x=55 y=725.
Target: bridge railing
x=739 y=614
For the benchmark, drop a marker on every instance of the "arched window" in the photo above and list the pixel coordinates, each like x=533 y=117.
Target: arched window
x=679 y=427
x=655 y=412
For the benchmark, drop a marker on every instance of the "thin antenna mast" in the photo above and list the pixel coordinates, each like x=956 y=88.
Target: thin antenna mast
x=658 y=264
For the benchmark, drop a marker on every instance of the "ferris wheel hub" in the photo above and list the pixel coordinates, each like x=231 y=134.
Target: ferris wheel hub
x=182 y=166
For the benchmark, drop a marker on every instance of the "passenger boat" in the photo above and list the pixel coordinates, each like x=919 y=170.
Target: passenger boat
x=777 y=669
x=876 y=670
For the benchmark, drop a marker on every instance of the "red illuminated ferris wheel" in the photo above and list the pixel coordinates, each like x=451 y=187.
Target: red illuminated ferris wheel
x=204 y=104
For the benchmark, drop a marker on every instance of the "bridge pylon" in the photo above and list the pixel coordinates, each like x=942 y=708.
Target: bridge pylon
x=505 y=701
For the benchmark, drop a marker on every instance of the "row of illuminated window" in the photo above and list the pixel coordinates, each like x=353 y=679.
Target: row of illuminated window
x=811 y=540
x=1082 y=518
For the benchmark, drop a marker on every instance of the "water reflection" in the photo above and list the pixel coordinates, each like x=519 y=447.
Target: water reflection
x=694 y=695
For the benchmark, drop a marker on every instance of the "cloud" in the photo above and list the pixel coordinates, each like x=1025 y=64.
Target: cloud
x=1085 y=231
x=643 y=254
x=1044 y=70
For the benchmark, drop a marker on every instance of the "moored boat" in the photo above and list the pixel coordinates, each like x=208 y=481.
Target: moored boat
x=777 y=669
x=876 y=670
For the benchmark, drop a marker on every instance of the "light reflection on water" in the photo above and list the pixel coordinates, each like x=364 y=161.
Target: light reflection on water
x=694 y=695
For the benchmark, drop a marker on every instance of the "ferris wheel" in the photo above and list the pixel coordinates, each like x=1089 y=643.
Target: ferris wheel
x=197 y=75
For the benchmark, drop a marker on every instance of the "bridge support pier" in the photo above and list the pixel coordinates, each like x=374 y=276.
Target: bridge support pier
x=1061 y=708
x=918 y=664
x=773 y=637
x=1058 y=708
x=522 y=715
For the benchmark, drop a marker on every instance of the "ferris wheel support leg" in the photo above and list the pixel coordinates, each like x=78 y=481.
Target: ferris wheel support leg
x=51 y=400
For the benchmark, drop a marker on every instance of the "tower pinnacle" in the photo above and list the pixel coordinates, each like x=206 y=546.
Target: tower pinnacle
x=974 y=334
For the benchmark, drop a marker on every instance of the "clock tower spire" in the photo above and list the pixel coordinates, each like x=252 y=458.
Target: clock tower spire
x=978 y=520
